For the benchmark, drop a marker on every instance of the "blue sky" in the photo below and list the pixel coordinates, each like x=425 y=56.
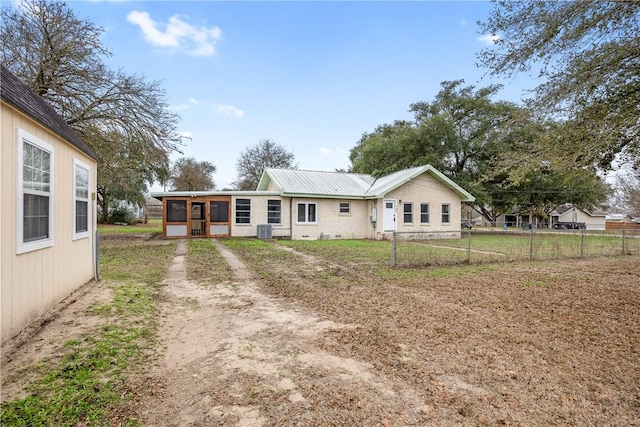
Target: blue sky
x=311 y=76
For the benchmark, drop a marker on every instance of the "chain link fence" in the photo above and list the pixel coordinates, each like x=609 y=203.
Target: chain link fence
x=416 y=249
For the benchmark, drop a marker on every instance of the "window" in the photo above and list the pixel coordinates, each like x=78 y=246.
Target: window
x=35 y=193
x=176 y=211
x=81 y=197
x=446 y=214
x=408 y=213
x=345 y=207
x=243 y=211
x=306 y=212
x=274 y=211
x=219 y=211
x=424 y=213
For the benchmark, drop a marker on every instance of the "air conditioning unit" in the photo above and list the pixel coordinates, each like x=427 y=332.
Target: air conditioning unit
x=264 y=231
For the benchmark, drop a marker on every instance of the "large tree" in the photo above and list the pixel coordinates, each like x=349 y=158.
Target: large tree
x=464 y=133
x=588 y=55
x=188 y=174
x=253 y=160
x=123 y=118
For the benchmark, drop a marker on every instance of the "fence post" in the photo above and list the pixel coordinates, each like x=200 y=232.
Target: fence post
x=531 y=245
x=393 y=250
x=582 y=243
x=623 y=241
x=469 y=247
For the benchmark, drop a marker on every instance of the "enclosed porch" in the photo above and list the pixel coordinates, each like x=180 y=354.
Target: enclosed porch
x=196 y=216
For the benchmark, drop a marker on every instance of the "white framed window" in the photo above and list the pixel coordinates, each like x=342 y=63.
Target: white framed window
x=307 y=213
x=35 y=193
x=243 y=211
x=274 y=211
x=424 y=213
x=407 y=213
x=345 y=208
x=446 y=213
x=81 y=212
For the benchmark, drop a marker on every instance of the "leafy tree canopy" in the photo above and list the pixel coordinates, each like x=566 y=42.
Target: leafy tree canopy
x=464 y=133
x=187 y=174
x=123 y=118
x=588 y=53
x=253 y=160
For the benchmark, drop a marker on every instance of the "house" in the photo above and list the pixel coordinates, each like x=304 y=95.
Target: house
x=565 y=216
x=47 y=215
x=568 y=215
x=300 y=204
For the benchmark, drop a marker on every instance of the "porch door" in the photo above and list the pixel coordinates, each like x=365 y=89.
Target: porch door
x=198 y=219
x=389 y=215
x=219 y=211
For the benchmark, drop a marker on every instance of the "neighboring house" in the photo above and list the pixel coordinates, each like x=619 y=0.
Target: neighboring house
x=568 y=214
x=320 y=205
x=564 y=216
x=47 y=215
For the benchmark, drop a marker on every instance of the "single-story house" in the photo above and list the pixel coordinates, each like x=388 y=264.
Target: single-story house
x=47 y=212
x=565 y=216
x=568 y=214
x=300 y=204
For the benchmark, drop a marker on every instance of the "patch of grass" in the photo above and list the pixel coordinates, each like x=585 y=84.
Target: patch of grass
x=86 y=384
x=153 y=226
x=205 y=265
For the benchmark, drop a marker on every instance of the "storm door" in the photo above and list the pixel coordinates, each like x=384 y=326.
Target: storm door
x=198 y=219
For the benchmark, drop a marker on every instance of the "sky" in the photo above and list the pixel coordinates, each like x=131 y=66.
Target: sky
x=311 y=76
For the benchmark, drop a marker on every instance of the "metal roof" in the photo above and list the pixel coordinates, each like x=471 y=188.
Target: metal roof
x=338 y=184
x=17 y=94
x=302 y=182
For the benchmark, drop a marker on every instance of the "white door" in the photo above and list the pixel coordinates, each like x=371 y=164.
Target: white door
x=389 y=216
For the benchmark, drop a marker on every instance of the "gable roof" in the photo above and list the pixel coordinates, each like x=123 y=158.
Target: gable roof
x=303 y=183
x=18 y=95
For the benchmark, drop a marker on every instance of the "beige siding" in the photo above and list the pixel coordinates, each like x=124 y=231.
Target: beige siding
x=259 y=216
x=32 y=282
x=422 y=189
x=591 y=222
x=331 y=224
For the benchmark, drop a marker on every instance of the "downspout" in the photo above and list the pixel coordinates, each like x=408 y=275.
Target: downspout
x=291 y=218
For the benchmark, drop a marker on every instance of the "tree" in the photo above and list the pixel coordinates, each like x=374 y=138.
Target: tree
x=253 y=160
x=627 y=193
x=123 y=118
x=464 y=134
x=187 y=174
x=460 y=133
x=589 y=54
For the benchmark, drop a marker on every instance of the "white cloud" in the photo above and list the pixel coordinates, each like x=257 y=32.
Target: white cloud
x=463 y=22
x=186 y=134
x=325 y=150
x=230 y=110
x=177 y=34
x=178 y=107
x=195 y=101
x=489 y=39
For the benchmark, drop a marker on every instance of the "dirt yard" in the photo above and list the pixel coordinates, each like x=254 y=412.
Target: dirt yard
x=298 y=340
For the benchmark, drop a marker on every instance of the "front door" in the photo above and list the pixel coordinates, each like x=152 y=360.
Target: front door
x=198 y=220
x=389 y=216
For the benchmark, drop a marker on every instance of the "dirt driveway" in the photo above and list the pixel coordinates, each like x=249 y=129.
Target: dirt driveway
x=294 y=339
x=231 y=349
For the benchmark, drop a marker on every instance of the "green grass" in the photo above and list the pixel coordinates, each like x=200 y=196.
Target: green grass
x=85 y=384
x=153 y=226
x=205 y=265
